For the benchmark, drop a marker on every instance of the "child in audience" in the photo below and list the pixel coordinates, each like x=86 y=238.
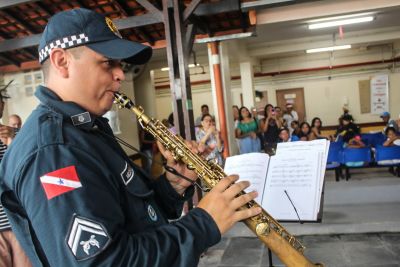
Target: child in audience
x=284 y=136
x=392 y=138
x=352 y=139
x=305 y=131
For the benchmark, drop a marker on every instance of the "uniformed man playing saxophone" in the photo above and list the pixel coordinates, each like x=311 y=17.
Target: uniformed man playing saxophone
x=72 y=195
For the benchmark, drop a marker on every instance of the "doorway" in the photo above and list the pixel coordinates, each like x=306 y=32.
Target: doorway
x=294 y=96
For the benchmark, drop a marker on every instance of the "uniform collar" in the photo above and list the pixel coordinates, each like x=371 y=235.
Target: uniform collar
x=70 y=111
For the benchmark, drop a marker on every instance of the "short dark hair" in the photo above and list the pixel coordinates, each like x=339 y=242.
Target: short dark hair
x=204 y=106
x=206 y=115
x=390 y=128
x=283 y=129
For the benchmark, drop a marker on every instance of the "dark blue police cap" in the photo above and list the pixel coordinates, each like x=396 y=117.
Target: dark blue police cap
x=81 y=26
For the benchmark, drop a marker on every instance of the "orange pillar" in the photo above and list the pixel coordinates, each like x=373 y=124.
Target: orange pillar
x=220 y=95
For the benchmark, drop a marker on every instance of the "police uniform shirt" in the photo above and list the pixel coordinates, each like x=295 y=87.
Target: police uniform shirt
x=74 y=198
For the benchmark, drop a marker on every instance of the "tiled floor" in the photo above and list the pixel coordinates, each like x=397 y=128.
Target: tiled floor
x=359 y=250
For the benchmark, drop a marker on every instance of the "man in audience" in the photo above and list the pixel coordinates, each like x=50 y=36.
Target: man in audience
x=289 y=116
x=385 y=116
x=15 y=121
x=11 y=253
x=204 y=111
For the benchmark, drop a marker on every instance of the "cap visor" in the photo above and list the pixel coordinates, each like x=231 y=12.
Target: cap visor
x=125 y=50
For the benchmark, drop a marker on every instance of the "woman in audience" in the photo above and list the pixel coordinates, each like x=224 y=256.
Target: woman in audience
x=295 y=128
x=209 y=139
x=316 y=125
x=246 y=132
x=305 y=131
x=270 y=129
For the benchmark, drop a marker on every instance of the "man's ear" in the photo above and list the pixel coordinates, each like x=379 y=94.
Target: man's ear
x=59 y=59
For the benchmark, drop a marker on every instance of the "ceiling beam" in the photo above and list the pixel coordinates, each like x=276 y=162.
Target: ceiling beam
x=189 y=10
x=222 y=6
x=315 y=9
x=20 y=21
x=125 y=10
x=18 y=43
x=129 y=22
x=152 y=9
x=260 y=4
x=11 y=3
x=10 y=60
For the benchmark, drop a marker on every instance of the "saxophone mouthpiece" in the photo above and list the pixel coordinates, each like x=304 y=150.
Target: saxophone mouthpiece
x=122 y=100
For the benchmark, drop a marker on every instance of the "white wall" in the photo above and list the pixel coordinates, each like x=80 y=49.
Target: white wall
x=22 y=100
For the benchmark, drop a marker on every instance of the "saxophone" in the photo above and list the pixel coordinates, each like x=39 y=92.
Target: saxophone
x=286 y=247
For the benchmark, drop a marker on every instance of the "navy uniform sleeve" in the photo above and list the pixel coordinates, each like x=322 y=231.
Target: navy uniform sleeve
x=168 y=199
x=84 y=225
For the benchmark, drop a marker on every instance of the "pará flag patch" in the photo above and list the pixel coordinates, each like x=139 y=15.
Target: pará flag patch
x=60 y=181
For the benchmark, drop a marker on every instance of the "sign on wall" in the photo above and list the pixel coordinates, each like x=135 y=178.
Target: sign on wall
x=379 y=94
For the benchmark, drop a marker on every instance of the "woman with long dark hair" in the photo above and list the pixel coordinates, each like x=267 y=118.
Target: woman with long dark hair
x=246 y=132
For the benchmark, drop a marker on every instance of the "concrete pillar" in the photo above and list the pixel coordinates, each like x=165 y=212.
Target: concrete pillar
x=226 y=80
x=223 y=59
x=247 y=74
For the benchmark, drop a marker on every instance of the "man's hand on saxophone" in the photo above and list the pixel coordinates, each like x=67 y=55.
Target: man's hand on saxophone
x=222 y=203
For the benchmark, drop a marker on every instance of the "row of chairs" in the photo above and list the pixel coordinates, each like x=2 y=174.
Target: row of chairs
x=378 y=156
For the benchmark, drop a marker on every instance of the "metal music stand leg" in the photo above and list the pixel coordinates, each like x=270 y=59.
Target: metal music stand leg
x=270 y=258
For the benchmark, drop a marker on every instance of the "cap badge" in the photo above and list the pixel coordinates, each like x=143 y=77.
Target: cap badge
x=112 y=27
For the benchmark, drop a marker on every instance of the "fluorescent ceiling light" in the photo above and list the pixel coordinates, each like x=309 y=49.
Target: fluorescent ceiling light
x=190 y=66
x=328 y=49
x=340 y=22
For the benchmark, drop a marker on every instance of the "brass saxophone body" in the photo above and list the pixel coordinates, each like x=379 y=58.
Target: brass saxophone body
x=288 y=249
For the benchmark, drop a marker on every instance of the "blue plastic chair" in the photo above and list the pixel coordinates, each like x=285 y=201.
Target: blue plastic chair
x=387 y=153
x=350 y=155
x=334 y=158
x=334 y=155
x=373 y=139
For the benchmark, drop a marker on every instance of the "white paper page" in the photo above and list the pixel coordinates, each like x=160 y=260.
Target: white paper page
x=297 y=174
x=250 y=167
x=320 y=146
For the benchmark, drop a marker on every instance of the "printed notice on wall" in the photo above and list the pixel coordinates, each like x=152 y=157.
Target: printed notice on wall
x=379 y=94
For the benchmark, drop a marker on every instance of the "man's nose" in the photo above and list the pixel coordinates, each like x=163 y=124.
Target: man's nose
x=119 y=74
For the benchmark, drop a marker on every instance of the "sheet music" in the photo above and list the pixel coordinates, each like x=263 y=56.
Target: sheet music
x=297 y=174
x=250 y=167
x=319 y=146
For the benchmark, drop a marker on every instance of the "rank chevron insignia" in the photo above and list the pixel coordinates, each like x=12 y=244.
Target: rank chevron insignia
x=86 y=238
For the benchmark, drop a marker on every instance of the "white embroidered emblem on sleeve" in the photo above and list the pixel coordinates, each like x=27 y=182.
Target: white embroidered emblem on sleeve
x=86 y=238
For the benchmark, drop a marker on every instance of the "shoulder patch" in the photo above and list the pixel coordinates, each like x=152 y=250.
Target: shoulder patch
x=86 y=238
x=60 y=181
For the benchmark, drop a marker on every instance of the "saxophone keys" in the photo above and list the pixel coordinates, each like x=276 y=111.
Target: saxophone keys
x=262 y=229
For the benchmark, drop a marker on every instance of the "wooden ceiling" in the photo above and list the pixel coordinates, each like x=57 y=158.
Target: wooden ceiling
x=21 y=22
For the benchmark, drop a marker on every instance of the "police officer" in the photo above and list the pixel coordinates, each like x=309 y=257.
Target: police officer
x=72 y=195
